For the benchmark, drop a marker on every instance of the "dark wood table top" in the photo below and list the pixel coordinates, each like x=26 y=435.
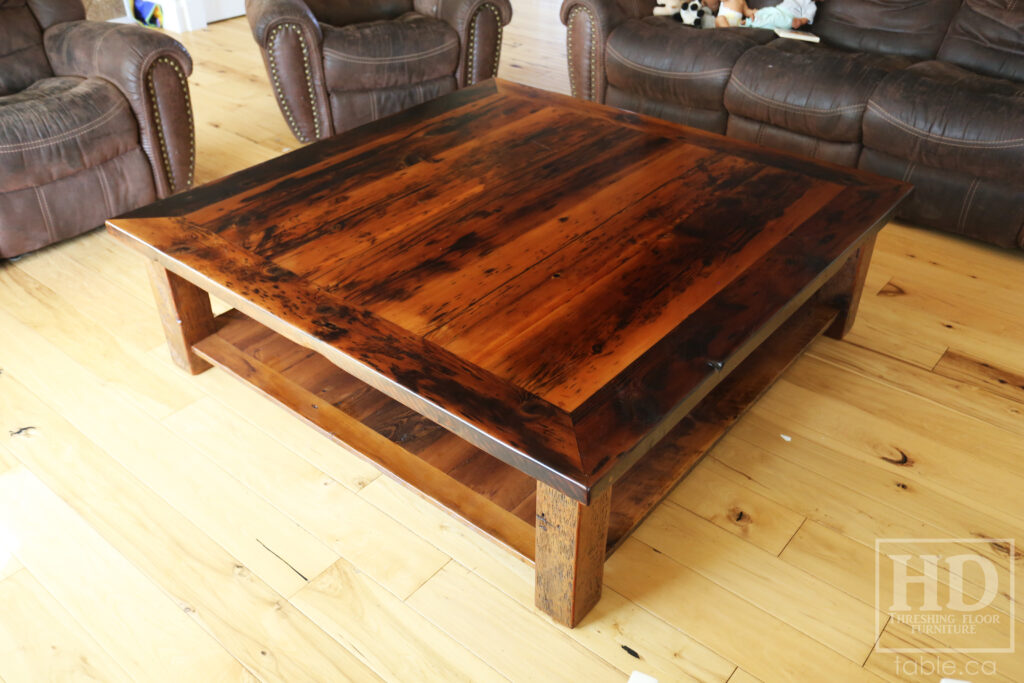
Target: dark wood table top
x=553 y=280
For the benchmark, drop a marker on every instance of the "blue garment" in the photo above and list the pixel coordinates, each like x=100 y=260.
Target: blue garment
x=772 y=17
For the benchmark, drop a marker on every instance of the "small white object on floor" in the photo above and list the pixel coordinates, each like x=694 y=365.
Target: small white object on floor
x=639 y=677
x=786 y=437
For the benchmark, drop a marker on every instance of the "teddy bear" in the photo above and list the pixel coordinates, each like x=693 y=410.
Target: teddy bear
x=691 y=12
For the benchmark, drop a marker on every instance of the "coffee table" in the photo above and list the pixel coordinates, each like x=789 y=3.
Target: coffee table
x=539 y=312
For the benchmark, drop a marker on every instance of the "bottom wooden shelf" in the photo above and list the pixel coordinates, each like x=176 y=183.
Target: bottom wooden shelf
x=490 y=495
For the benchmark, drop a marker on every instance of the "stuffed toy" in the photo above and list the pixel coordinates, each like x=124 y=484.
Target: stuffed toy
x=691 y=12
x=667 y=7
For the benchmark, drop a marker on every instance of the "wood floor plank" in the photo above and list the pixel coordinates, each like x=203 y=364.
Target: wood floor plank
x=377 y=545
x=264 y=539
x=371 y=621
x=612 y=626
x=39 y=641
x=737 y=509
x=281 y=425
x=844 y=500
x=741 y=676
x=799 y=599
x=722 y=620
x=855 y=569
x=928 y=666
x=519 y=644
x=957 y=382
x=967 y=459
x=9 y=564
x=249 y=619
x=101 y=254
x=1004 y=382
x=141 y=628
x=156 y=388
x=107 y=305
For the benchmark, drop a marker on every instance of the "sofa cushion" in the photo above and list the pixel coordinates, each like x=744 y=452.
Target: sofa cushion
x=60 y=126
x=659 y=59
x=388 y=54
x=988 y=210
x=22 y=59
x=912 y=28
x=807 y=88
x=348 y=12
x=943 y=116
x=987 y=36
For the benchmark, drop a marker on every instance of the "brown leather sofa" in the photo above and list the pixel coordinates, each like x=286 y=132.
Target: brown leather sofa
x=929 y=91
x=95 y=120
x=337 y=64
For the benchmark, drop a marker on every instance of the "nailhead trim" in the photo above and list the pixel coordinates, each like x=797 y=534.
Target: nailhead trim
x=159 y=127
x=276 y=79
x=578 y=9
x=471 y=59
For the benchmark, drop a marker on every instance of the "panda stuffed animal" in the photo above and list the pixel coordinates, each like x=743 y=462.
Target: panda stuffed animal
x=690 y=12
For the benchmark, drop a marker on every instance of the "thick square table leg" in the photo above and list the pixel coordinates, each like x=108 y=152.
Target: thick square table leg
x=571 y=540
x=185 y=313
x=845 y=289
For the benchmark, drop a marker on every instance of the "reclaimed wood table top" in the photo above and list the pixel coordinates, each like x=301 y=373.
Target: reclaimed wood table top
x=555 y=281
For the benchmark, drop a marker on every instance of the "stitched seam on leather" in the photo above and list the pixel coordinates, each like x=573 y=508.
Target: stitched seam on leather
x=390 y=60
x=942 y=139
x=810 y=111
x=471 y=58
x=62 y=137
x=276 y=81
x=969 y=39
x=497 y=48
x=968 y=201
x=155 y=110
x=101 y=171
x=675 y=75
x=471 y=52
x=44 y=209
x=574 y=91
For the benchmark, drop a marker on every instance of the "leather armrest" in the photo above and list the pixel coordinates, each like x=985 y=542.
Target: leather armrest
x=151 y=70
x=479 y=24
x=265 y=15
x=588 y=23
x=290 y=39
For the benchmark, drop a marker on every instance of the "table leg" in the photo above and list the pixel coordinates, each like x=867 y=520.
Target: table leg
x=845 y=288
x=571 y=540
x=185 y=313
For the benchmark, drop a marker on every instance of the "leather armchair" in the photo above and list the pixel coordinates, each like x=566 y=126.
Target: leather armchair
x=337 y=64
x=95 y=120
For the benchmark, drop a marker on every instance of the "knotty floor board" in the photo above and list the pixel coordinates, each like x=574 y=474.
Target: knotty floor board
x=79 y=340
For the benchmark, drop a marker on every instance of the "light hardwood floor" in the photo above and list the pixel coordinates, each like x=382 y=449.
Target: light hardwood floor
x=160 y=527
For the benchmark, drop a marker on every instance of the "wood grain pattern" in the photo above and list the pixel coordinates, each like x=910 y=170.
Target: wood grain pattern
x=547 y=278
x=185 y=313
x=571 y=540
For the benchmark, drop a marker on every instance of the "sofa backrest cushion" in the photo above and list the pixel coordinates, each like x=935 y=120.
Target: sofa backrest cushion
x=22 y=59
x=910 y=28
x=50 y=12
x=987 y=36
x=638 y=8
x=344 y=12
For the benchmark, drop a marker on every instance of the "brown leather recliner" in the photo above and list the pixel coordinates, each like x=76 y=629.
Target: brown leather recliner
x=337 y=64
x=95 y=120
x=928 y=91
